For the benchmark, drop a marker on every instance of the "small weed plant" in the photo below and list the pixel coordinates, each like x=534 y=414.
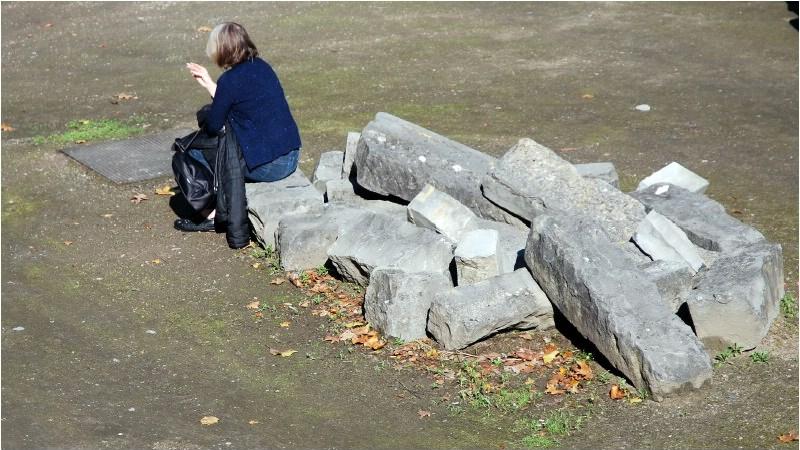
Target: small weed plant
x=727 y=354
x=759 y=357
x=789 y=306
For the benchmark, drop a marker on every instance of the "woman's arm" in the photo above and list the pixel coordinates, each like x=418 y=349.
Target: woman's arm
x=222 y=100
x=201 y=75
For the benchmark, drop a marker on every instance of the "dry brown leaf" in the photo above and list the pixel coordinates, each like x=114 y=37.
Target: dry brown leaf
x=165 y=190
x=253 y=305
x=550 y=356
x=422 y=413
x=616 y=393
x=156 y=261
x=252 y=422
x=527 y=354
x=107 y=216
x=587 y=96
x=138 y=198
x=788 y=437
x=552 y=389
x=347 y=335
x=67 y=243
x=80 y=141
x=204 y=29
x=255 y=265
x=126 y=96
x=304 y=304
x=6 y=127
x=332 y=339
x=285 y=324
x=584 y=371
x=526 y=336
x=354 y=325
x=282 y=353
x=209 y=420
x=278 y=281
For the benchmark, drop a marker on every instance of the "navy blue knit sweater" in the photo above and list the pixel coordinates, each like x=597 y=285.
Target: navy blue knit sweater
x=250 y=96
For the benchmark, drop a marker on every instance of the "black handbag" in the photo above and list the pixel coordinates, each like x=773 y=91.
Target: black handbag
x=195 y=180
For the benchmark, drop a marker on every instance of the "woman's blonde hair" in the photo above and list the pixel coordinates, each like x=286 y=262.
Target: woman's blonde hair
x=229 y=44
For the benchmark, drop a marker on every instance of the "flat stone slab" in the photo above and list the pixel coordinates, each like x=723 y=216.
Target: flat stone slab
x=328 y=168
x=677 y=175
x=663 y=240
x=399 y=158
x=476 y=257
x=397 y=302
x=130 y=160
x=350 y=153
x=598 y=288
x=268 y=203
x=442 y=213
x=704 y=221
x=736 y=300
x=673 y=280
x=602 y=171
x=383 y=241
x=340 y=191
x=467 y=314
x=511 y=244
x=530 y=179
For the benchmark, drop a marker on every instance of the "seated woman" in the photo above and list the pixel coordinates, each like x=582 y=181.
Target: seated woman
x=248 y=96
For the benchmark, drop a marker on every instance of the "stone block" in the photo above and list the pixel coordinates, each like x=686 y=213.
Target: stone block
x=602 y=171
x=663 y=240
x=340 y=191
x=530 y=179
x=677 y=175
x=598 y=288
x=476 y=257
x=673 y=280
x=328 y=168
x=268 y=203
x=442 y=213
x=396 y=157
x=511 y=244
x=736 y=300
x=704 y=221
x=350 y=153
x=397 y=302
x=467 y=314
x=383 y=241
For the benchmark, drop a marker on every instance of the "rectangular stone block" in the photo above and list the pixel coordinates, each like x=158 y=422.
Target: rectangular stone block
x=268 y=203
x=467 y=314
x=604 y=171
x=398 y=158
x=736 y=300
x=531 y=179
x=677 y=175
x=340 y=191
x=663 y=240
x=476 y=257
x=673 y=280
x=442 y=213
x=704 y=221
x=397 y=302
x=328 y=168
x=383 y=241
x=598 y=288
x=350 y=153
x=511 y=244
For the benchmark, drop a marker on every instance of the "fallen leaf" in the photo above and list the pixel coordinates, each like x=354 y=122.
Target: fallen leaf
x=252 y=422
x=156 y=261
x=6 y=127
x=587 y=96
x=278 y=281
x=204 y=29
x=332 y=339
x=67 y=243
x=616 y=393
x=634 y=400
x=549 y=357
x=526 y=336
x=209 y=420
x=48 y=25
x=285 y=324
x=353 y=324
x=422 y=413
x=107 y=216
x=80 y=141
x=584 y=371
x=284 y=353
x=253 y=305
x=568 y=149
x=126 y=96
x=552 y=389
x=138 y=198
x=165 y=190
x=255 y=265
x=788 y=437
x=304 y=304
x=347 y=335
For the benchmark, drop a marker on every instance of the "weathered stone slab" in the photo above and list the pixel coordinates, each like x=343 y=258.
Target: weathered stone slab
x=397 y=303
x=602 y=171
x=328 y=168
x=340 y=191
x=663 y=240
x=350 y=153
x=442 y=213
x=530 y=179
x=598 y=288
x=676 y=175
x=511 y=244
x=466 y=314
x=382 y=241
x=476 y=257
x=673 y=280
x=268 y=203
x=399 y=158
x=737 y=299
x=704 y=221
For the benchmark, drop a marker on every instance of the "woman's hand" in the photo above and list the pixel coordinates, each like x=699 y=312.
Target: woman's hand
x=201 y=75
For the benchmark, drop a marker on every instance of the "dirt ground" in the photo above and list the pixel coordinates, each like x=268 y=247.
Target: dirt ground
x=121 y=351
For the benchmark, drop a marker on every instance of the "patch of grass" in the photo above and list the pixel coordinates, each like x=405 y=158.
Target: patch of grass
x=725 y=355
x=581 y=355
x=789 y=306
x=538 y=441
x=759 y=357
x=322 y=270
x=603 y=377
x=513 y=400
x=82 y=131
x=270 y=257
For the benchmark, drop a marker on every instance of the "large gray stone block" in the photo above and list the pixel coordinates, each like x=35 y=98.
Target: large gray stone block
x=328 y=168
x=704 y=221
x=530 y=179
x=466 y=314
x=673 y=280
x=350 y=153
x=603 y=171
x=511 y=244
x=268 y=203
x=598 y=288
x=383 y=241
x=399 y=158
x=397 y=302
x=442 y=213
x=737 y=299
x=677 y=175
x=663 y=240
x=476 y=257
x=340 y=191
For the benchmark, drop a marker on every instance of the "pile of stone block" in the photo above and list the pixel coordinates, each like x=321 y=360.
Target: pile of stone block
x=457 y=245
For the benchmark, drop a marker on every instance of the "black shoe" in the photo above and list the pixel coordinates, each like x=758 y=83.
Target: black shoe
x=189 y=225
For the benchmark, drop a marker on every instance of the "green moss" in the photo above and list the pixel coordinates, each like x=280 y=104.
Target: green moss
x=81 y=131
